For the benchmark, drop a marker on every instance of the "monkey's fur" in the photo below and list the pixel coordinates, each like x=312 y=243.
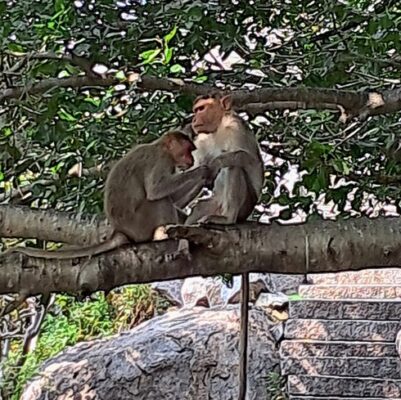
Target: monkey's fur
x=142 y=192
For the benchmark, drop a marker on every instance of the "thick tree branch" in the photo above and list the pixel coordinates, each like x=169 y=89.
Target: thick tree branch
x=360 y=104
x=23 y=222
x=319 y=246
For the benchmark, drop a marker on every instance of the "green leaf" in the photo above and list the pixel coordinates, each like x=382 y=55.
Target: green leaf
x=64 y=115
x=56 y=168
x=200 y=79
x=120 y=75
x=176 y=69
x=7 y=132
x=3 y=7
x=1 y=176
x=170 y=35
x=149 y=55
x=168 y=54
x=15 y=47
x=295 y=297
x=59 y=5
x=95 y=101
x=195 y=14
x=52 y=107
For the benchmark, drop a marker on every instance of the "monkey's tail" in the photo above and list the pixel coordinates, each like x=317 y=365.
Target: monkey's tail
x=116 y=240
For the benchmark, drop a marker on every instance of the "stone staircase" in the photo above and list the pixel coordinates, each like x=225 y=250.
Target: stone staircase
x=340 y=338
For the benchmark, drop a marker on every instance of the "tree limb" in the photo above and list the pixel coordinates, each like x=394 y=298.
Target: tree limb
x=319 y=246
x=359 y=104
x=23 y=222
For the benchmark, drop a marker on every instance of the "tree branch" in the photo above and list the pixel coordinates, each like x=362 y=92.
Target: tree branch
x=327 y=245
x=352 y=104
x=55 y=226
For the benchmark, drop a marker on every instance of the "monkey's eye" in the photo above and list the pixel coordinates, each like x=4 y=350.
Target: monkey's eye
x=200 y=108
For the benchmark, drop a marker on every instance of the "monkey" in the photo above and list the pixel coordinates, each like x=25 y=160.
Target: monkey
x=220 y=132
x=142 y=193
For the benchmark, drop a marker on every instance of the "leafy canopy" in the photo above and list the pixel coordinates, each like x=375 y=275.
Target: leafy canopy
x=352 y=44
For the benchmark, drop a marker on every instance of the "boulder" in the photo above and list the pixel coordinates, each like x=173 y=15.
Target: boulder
x=186 y=354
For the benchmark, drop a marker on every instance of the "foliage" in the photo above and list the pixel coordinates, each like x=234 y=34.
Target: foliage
x=42 y=136
x=70 y=321
x=276 y=386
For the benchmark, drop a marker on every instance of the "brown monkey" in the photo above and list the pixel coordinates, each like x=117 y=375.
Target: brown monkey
x=142 y=192
x=220 y=132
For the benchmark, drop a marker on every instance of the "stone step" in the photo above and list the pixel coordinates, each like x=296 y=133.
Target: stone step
x=386 y=310
x=383 y=276
x=350 y=292
x=327 y=386
x=315 y=348
x=296 y=397
x=359 y=330
x=359 y=367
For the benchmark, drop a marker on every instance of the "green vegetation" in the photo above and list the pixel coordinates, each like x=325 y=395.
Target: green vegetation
x=70 y=321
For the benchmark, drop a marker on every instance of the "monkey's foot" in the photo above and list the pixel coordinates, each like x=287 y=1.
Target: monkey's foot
x=179 y=254
x=182 y=252
x=214 y=220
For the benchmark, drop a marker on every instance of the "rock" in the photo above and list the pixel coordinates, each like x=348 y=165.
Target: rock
x=292 y=397
x=382 y=310
x=350 y=291
x=211 y=292
x=187 y=354
x=376 y=367
x=316 y=329
x=198 y=291
x=285 y=283
x=398 y=343
x=383 y=276
x=306 y=348
x=344 y=387
x=272 y=300
x=170 y=290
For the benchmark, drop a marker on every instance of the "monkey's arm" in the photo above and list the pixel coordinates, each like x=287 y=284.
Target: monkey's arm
x=238 y=158
x=159 y=184
x=181 y=198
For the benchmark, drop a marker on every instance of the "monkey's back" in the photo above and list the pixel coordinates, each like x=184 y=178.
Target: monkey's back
x=124 y=188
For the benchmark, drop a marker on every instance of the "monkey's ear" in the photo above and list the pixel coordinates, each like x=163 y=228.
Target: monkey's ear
x=227 y=102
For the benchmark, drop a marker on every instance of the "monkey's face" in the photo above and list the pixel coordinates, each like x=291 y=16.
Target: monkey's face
x=208 y=114
x=181 y=152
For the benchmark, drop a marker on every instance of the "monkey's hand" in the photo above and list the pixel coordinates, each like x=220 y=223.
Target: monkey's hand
x=209 y=175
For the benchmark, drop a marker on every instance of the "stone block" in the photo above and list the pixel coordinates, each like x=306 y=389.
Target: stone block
x=304 y=348
x=344 y=387
x=386 y=310
x=376 y=331
x=383 y=276
x=339 y=398
x=371 y=367
x=350 y=292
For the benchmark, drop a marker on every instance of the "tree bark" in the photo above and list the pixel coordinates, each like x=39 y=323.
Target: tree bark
x=318 y=246
x=351 y=103
x=51 y=225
